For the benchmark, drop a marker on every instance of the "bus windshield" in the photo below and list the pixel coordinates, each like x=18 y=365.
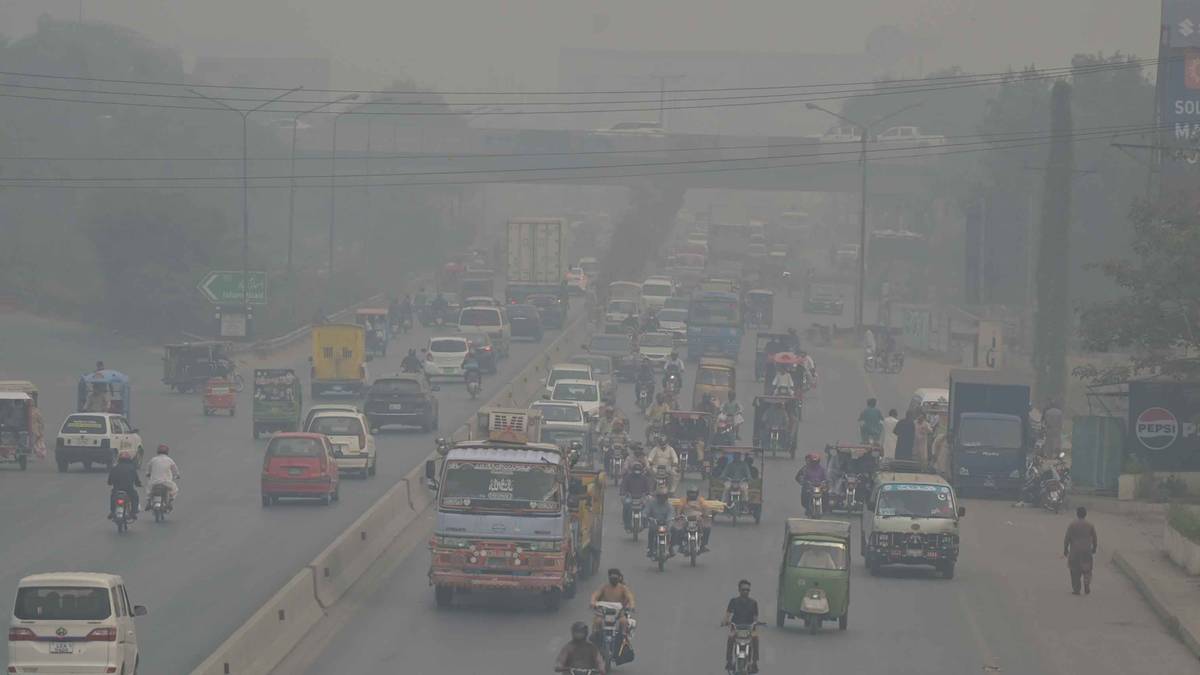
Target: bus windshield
x=713 y=312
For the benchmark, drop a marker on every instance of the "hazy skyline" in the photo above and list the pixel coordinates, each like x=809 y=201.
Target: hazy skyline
x=456 y=44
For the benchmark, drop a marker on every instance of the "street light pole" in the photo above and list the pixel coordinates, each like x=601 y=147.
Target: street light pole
x=333 y=195
x=245 y=114
x=864 y=131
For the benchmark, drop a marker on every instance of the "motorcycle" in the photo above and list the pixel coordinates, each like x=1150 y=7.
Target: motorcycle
x=851 y=498
x=672 y=383
x=691 y=538
x=122 y=511
x=160 y=502
x=1053 y=495
x=786 y=391
x=743 y=637
x=816 y=500
x=612 y=637
x=871 y=362
x=662 y=477
x=643 y=398
x=775 y=440
x=635 y=518
x=616 y=458
x=662 y=544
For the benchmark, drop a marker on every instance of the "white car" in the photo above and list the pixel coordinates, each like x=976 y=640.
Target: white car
x=563 y=423
x=328 y=407
x=353 y=444
x=656 y=347
x=673 y=322
x=73 y=622
x=96 y=438
x=444 y=357
x=577 y=280
x=489 y=321
x=635 y=128
x=909 y=137
x=655 y=292
x=567 y=371
x=620 y=311
x=481 y=301
x=584 y=392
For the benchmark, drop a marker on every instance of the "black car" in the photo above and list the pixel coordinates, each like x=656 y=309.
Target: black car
x=485 y=352
x=553 y=312
x=619 y=346
x=526 y=322
x=402 y=399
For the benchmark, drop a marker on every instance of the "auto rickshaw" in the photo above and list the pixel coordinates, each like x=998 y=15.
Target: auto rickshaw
x=278 y=400
x=737 y=503
x=760 y=308
x=767 y=345
x=105 y=391
x=688 y=432
x=852 y=469
x=19 y=432
x=814 y=573
x=188 y=365
x=716 y=377
x=790 y=361
x=788 y=438
x=219 y=396
x=375 y=321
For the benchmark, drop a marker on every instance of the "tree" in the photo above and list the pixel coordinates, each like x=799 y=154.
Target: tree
x=1052 y=312
x=1158 y=316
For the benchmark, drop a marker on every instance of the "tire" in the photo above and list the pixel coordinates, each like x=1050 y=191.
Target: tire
x=62 y=465
x=327 y=499
x=158 y=516
x=692 y=554
x=571 y=587
x=813 y=624
x=757 y=515
x=122 y=526
x=137 y=458
x=661 y=564
x=443 y=596
x=374 y=466
x=87 y=465
x=872 y=566
x=780 y=618
x=266 y=500
x=337 y=493
x=552 y=600
x=733 y=516
x=23 y=462
x=947 y=570
x=844 y=620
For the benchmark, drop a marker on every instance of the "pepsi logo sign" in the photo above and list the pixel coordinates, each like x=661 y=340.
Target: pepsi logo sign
x=1157 y=428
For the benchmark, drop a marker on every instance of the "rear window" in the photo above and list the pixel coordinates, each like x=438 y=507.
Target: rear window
x=679 y=315
x=479 y=316
x=656 y=340
x=657 y=290
x=62 y=603
x=294 y=447
x=610 y=343
x=568 y=374
x=576 y=392
x=85 y=424
x=518 y=312
x=623 y=307
x=560 y=413
x=396 y=387
x=448 y=346
x=714 y=377
x=336 y=426
x=601 y=365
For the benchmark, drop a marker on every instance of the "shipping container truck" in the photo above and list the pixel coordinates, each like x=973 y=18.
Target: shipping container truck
x=537 y=256
x=989 y=430
x=339 y=360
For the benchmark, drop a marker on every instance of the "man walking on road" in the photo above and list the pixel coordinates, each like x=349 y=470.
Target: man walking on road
x=1079 y=546
x=905 y=432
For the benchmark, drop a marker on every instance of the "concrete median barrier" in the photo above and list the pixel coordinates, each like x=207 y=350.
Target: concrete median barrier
x=258 y=645
x=344 y=560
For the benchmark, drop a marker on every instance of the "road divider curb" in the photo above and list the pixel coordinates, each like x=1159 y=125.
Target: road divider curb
x=1162 y=606
x=260 y=644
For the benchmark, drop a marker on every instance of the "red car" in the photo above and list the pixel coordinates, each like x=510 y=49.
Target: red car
x=299 y=465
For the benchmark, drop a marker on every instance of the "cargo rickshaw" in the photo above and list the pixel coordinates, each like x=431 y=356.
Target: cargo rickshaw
x=278 y=400
x=716 y=377
x=777 y=424
x=791 y=362
x=688 y=432
x=219 y=396
x=760 y=308
x=814 y=573
x=19 y=432
x=741 y=498
x=852 y=468
x=767 y=345
x=375 y=321
x=188 y=365
x=105 y=391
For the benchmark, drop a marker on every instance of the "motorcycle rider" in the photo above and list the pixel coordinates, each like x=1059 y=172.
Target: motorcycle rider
x=674 y=365
x=471 y=369
x=775 y=418
x=737 y=471
x=637 y=457
x=438 y=306
x=608 y=417
x=812 y=473
x=663 y=455
x=733 y=410
x=871 y=423
x=123 y=477
x=659 y=511
x=614 y=591
x=579 y=652
x=635 y=485
x=656 y=412
x=404 y=311
x=742 y=611
x=810 y=367
x=783 y=384
x=411 y=363
x=693 y=504
x=162 y=470
x=645 y=380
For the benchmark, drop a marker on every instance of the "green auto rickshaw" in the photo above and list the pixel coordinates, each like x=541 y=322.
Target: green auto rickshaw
x=278 y=400
x=814 y=575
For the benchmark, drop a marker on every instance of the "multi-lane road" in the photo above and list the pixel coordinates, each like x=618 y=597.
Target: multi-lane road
x=220 y=555
x=1008 y=610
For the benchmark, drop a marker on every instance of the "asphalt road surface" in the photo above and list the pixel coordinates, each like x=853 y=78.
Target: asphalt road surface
x=220 y=555
x=1008 y=610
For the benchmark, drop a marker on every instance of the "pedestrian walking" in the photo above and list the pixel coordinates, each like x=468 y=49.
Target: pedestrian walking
x=889 y=438
x=1079 y=548
x=1052 y=424
x=906 y=436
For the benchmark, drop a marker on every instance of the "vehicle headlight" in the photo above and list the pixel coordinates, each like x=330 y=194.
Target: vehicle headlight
x=453 y=542
x=543 y=546
x=962 y=471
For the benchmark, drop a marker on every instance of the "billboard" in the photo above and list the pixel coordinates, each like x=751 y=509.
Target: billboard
x=1179 y=95
x=1164 y=419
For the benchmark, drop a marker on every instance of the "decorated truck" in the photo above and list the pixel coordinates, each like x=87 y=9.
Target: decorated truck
x=512 y=514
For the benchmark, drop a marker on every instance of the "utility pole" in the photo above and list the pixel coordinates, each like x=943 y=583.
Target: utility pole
x=333 y=196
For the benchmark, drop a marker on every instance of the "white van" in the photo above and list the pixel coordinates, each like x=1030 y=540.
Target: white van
x=68 y=622
x=489 y=321
x=567 y=371
x=655 y=292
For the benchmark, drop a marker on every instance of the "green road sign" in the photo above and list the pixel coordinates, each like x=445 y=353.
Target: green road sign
x=225 y=288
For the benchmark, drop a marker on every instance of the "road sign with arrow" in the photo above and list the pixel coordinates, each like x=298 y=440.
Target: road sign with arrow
x=225 y=288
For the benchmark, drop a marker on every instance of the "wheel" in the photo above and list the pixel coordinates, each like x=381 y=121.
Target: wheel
x=141 y=454
x=337 y=493
x=947 y=570
x=62 y=465
x=374 y=466
x=757 y=515
x=443 y=595
x=552 y=599
x=780 y=618
x=122 y=526
x=844 y=620
x=327 y=499
x=570 y=588
x=733 y=516
x=266 y=500
x=635 y=534
x=87 y=465
x=158 y=516
x=661 y=564
x=207 y=412
x=872 y=566
x=692 y=554
x=813 y=623
x=22 y=461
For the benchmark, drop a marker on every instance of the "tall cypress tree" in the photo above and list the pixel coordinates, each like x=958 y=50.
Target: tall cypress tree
x=1052 y=313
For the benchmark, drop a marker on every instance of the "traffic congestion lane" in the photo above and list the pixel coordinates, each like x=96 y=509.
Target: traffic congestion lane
x=220 y=555
x=995 y=616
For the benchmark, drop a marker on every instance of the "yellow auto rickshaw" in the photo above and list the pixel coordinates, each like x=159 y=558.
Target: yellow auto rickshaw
x=716 y=377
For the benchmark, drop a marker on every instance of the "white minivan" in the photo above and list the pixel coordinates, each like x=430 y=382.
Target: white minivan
x=655 y=292
x=73 y=622
x=489 y=321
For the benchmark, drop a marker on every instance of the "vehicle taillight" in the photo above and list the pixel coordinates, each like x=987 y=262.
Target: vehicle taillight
x=362 y=441
x=106 y=634
x=21 y=635
x=487 y=348
x=120 y=502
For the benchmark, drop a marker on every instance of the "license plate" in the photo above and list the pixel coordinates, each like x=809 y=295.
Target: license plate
x=448 y=370
x=396 y=406
x=60 y=647
x=915 y=552
x=295 y=471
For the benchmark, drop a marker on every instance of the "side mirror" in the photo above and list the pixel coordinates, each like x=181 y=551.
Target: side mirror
x=430 y=469
x=431 y=484
x=139 y=610
x=962 y=511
